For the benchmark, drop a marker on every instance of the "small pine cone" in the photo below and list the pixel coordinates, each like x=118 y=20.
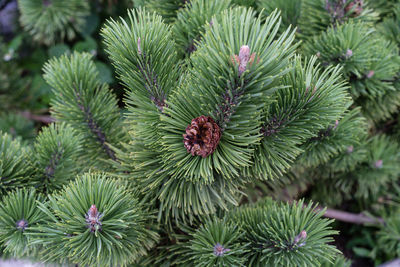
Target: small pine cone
x=202 y=136
x=358 y=7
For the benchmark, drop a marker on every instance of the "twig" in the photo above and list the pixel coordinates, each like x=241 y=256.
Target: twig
x=393 y=263
x=340 y=215
x=40 y=118
x=345 y=216
x=94 y=127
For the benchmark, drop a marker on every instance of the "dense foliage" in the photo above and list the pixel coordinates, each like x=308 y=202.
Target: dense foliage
x=200 y=133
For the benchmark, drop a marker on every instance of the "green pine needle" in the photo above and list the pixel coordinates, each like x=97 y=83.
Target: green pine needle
x=114 y=234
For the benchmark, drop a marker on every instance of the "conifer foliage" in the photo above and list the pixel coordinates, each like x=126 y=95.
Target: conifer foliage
x=19 y=215
x=14 y=170
x=86 y=104
x=93 y=221
x=223 y=113
x=49 y=21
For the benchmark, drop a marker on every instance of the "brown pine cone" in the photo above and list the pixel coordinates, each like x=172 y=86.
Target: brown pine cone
x=202 y=136
x=358 y=9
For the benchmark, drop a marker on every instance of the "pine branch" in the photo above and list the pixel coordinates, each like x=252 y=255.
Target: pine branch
x=55 y=156
x=324 y=133
x=147 y=64
x=14 y=172
x=334 y=139
x=318 y=15
x=272 y=126
x=230 y=81
x=121 y=235
x=18 y=216
x=151 y=84
x=39 y=118
x=51 y=21
x=93 y=126
x=193 y=19
x=349 y=217
x=231 y=98
x=54 y=161
x=340 y=215
x=273 y=238
x=85 y=104
x=392 y=263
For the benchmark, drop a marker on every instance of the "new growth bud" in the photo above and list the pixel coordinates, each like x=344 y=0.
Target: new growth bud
x=336 y=125
x=219 y=250
x=244 y=58
x=350 y=149
x=370 y=74
x=22 y=225
x=349 y=53
x=93 y=219
x=299 y=240
x=378 y=164
x=301 y=236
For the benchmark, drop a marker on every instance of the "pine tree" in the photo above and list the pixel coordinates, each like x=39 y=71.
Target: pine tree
x=86 y=104
x=93 y=221
x=13 y=87
x=19 y=215
x=317 y=15
x=229 y=130
x=55 y=156
x=14 y=171
x=49 y=21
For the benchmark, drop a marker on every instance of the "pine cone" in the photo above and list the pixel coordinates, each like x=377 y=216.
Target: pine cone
x=358 y=9
x=202 y=136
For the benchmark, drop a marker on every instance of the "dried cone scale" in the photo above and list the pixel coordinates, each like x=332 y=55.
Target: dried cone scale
x=202 y=136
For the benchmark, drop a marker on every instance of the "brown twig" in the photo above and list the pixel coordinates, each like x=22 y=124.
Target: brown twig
x=339 y=215
x=94 y=127
x=39 y=118
x=345 y=216
x=393 y=263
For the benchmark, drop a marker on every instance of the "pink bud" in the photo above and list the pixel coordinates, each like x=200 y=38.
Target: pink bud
x=349 y=53
x=303 y=234
x=318 y=54
x=244 y=57
x=244 y=53
x=370 y=74
x=336 y=125
x=22 y=225
x=93 y=210
x=93 y=219
x=350 y=149
x=378 y=164
x=219 y=250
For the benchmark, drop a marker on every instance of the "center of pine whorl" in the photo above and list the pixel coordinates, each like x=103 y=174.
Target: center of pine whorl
x=22 y=225
x=202 y=136
x=93 y=217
